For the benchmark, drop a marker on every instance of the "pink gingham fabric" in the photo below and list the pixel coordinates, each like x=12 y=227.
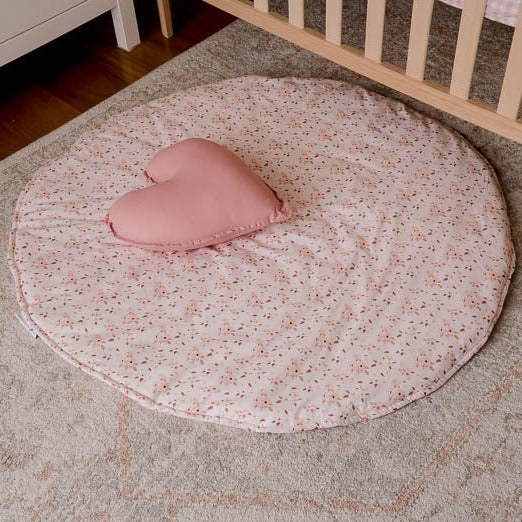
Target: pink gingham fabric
x=503 y=11
x=387 y=278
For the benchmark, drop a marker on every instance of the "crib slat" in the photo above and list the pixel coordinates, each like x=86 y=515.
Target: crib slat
x=296 y=13
x=334 y=21
x=467 y=45
x=511 y=94
x=374 y=29
x=419 y=37
x=262 y=5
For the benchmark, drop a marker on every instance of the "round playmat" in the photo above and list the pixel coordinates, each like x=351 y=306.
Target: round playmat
x=388 y=277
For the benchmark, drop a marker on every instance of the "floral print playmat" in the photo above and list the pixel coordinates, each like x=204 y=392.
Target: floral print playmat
x=388 y=277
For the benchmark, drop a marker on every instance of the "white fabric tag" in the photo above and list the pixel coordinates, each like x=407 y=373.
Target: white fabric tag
x=23 y=322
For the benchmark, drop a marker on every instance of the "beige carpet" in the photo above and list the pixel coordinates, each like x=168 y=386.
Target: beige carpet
x=71 y=448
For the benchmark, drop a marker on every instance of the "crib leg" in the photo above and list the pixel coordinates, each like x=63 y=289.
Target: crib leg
x=125 y=25
x=165 y=15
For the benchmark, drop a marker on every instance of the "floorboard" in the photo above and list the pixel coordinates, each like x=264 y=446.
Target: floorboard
x=55 y=83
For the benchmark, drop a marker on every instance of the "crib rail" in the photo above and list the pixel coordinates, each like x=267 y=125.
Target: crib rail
x=455 y=100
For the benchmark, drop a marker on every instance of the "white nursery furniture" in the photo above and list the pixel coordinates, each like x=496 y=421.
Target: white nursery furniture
x=28 y=24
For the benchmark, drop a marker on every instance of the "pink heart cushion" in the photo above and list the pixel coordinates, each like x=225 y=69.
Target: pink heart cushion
x=205 y=195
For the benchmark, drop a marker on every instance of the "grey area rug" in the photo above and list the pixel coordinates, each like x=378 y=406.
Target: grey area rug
x=71 y=448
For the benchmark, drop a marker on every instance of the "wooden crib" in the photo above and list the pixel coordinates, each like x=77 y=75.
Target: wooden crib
x=502 y=119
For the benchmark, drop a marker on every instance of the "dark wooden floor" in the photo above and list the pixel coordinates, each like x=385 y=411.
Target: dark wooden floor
x=55 y=83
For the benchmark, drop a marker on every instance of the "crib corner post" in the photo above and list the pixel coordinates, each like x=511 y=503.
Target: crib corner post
x=165 y=14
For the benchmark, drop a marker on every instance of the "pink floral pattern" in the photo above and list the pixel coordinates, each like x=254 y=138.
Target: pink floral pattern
x=389 y=276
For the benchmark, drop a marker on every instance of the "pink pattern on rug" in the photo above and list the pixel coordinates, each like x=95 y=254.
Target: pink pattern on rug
x=389 y=276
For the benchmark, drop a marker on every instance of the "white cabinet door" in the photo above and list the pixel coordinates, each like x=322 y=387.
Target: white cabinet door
x=17 y=16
